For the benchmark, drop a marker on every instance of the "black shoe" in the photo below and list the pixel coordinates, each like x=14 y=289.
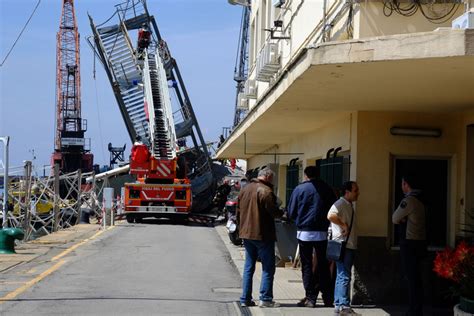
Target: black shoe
x=247 y=304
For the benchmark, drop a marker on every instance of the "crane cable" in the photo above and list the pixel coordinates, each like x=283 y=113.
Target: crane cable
x=24 y=27
x=98 y=111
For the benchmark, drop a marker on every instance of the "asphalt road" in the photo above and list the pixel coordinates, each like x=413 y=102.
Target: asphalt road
x=138 y=269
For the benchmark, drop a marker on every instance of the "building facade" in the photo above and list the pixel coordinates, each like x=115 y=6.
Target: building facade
x=367 y=91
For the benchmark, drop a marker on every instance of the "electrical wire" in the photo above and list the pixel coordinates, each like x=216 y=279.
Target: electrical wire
x=443 y=18
x=349 y=23
x=390 y=6
x=22 y=30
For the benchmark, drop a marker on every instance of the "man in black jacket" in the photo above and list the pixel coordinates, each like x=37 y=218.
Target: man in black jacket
x=308 y=207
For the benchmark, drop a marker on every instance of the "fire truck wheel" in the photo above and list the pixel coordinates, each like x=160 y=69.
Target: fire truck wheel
x=130 y=219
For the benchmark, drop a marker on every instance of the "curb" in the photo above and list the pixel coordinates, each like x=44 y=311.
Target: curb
x=241 y=311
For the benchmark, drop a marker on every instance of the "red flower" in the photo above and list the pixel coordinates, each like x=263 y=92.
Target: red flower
x=457 y=265
x=462 y=250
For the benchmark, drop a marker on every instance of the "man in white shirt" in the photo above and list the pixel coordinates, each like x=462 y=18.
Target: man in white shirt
x=342 y=218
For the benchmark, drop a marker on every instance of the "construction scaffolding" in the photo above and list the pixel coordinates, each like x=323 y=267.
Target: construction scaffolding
x=36 y=206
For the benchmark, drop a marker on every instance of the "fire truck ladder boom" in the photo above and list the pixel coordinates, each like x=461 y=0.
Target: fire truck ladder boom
x=158 y=124
x=159 y=108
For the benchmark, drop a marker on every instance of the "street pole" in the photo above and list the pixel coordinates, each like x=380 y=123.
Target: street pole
x=79 y=196
x=56 y=198
x=27 y=202
x=5 y=140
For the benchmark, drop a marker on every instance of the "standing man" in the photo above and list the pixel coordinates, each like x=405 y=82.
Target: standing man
x=144 y=39
x=308 y=207
x=256 y=211
x=342 y=217
x=410 y=215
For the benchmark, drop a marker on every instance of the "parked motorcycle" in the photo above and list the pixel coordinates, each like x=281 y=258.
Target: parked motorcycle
x=232 y=225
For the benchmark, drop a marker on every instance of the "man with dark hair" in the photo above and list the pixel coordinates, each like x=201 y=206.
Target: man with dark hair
x=308 y=207
x=410 y=216
x=256 y=210
x=342 y=217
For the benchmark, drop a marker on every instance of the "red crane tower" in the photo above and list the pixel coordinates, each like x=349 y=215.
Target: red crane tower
x=71 y=151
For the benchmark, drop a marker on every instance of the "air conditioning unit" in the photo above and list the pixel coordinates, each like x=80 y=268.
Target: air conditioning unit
x=243 y=102
x=250 y=89
x=268 y=62
x=465 y=21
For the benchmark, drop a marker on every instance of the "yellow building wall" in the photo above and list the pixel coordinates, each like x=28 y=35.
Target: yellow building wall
x=376 y=147
x=467 y=119
x=371 y=20
x=313 y=145
x=366 y=136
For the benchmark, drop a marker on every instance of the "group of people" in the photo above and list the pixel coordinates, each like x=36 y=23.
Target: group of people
x=318 y=215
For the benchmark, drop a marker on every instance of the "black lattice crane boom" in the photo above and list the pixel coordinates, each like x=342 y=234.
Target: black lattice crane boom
x=70 y=149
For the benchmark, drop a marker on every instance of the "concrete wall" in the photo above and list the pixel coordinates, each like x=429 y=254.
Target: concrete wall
x=313 y=145
x=371 y=20
x=376 y=147
x=366 y=136
x=372 y=157
x=303 y=24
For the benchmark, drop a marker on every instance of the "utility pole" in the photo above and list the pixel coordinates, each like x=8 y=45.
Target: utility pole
x=27 y=203
x=56 y=197
x=79 y=196
x=5 y=140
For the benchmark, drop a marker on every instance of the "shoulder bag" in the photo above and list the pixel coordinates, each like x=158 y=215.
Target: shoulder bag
x=335 y=249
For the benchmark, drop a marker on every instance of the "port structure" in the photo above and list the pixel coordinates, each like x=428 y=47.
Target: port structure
x=71 y=150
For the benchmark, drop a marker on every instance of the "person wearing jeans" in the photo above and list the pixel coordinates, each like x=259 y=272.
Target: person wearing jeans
x=266 y=252
x=342 y=218
x=256 y=210
x=343 y=280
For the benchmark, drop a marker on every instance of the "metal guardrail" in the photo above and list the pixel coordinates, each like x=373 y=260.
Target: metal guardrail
x=36 y=204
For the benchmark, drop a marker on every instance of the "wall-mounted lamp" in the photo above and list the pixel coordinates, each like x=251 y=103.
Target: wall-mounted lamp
x=277 y=27
x=415 y=131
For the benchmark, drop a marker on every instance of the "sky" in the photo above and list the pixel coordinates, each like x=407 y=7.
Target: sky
x=202 y=36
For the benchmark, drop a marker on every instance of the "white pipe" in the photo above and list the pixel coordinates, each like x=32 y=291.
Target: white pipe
x=109 y=173
x=5 y=141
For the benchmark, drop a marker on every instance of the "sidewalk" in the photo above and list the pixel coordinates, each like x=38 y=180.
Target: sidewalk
x=288 y=289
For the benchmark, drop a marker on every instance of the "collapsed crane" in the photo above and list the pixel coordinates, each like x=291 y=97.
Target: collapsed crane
x=70 y=151
x=144 y=79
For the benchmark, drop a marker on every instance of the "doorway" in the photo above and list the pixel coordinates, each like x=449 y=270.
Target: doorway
x=432 y=178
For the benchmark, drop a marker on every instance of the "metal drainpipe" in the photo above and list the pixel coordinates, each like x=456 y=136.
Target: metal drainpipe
x=324 y=19
x=5 y=141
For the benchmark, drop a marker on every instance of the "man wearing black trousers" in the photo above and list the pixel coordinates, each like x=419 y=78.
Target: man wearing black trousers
x=410 y=215
x=308 y=207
